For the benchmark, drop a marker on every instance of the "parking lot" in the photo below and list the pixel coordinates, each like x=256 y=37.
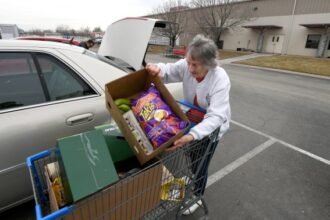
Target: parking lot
x=274 y=163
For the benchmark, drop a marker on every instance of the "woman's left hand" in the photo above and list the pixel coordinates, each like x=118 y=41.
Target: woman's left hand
x=185 y=139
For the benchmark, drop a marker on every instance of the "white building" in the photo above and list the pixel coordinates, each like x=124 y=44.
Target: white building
x=8 y=31
x=295 y=27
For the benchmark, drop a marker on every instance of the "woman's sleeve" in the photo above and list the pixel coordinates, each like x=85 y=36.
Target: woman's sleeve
x=172 y=72
x=217 y=113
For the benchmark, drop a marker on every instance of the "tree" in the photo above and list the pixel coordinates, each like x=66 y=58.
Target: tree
x=171 y=11
x=213 y=17
x=63 y=29
x=36 y=31
x=97 y=29
x=84 y=31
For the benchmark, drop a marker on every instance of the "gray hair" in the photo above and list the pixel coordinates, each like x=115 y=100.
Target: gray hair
x=204 y=50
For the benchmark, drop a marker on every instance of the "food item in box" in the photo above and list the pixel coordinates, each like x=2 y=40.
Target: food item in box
x=155 y=117
x=124 y=107
x=121 y=101
x=138 y=133
x=123 y=104
x=53 y=172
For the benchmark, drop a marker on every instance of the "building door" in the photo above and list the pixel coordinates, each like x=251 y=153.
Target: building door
x=274 y=44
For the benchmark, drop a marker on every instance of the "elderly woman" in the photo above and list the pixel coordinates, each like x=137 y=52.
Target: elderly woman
x=206 y=85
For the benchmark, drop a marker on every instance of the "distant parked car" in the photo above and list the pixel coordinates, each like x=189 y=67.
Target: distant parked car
x=52 y=39
x=177 y=51
x=98 y=40
x=50 y=90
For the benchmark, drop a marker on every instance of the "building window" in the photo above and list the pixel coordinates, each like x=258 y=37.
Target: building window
x=329 y=45
x=313 y=41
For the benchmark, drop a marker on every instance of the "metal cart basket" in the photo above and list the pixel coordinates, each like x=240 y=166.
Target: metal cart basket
x=163 y=189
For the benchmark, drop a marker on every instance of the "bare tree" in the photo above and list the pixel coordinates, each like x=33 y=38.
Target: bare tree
x=171 y=11
x=97 y=29
x=36 y=31
x=84 y=31
x=213 y=17
x=62 y=29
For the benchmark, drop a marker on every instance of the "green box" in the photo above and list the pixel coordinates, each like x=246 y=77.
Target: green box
x=118 y=146
x=86 y=163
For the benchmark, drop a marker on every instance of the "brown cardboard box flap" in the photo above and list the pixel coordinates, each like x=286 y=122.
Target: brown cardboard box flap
x=131 y=86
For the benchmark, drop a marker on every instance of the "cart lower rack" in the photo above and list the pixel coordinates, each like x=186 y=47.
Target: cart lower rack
x=171 y=184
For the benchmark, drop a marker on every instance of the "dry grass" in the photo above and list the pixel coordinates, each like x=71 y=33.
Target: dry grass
x=226 y=54
x=318 y=66
x=223 y=54
x=156 y=48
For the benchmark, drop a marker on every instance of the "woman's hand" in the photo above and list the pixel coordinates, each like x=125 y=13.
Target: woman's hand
x=185 y=139
x=153 y=69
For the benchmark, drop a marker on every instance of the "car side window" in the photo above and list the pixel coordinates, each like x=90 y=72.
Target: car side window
x=19 y=81
x=36 y=78
x=61 y=81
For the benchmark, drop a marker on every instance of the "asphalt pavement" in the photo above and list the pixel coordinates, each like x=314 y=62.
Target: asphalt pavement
x=274 y=163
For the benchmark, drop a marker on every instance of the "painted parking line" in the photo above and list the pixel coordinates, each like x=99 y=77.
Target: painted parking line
x=309 y=154
x=239 y=162
x=255 y=151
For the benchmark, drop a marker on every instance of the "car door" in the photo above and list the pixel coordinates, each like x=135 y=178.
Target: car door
x=41 y=99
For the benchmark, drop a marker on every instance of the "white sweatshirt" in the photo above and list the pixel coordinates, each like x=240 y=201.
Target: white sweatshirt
x=212 y=94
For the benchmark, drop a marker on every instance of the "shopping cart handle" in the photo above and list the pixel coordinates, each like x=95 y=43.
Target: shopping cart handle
x=188 y=104
x=31 y=159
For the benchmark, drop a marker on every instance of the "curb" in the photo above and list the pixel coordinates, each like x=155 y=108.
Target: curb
x=279 y=70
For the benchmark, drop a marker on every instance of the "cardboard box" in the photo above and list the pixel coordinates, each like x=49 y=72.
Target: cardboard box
x=130 y=198
x=131 y=86
x=138 y=132
x=117 y=145
x=85 y=164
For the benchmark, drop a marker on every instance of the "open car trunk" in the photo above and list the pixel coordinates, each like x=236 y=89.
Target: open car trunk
x=127 y=40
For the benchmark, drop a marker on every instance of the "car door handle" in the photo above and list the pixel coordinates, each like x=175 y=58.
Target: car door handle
x=78 y=119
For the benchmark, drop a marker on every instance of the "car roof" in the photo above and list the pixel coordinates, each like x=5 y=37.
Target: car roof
x=17 y=44
x=53 y=39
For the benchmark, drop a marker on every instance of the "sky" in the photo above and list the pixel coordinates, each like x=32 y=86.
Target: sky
x=46 y=14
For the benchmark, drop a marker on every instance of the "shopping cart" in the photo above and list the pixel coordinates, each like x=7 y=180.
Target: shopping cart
x=163 y=189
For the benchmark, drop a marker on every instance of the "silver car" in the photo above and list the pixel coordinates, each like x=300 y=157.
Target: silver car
x=52 y=90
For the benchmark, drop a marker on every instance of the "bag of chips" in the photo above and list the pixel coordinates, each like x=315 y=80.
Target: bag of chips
x=155 y=117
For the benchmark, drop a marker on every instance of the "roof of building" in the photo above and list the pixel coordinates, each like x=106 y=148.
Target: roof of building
x=316 y=25
x=261 y=26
